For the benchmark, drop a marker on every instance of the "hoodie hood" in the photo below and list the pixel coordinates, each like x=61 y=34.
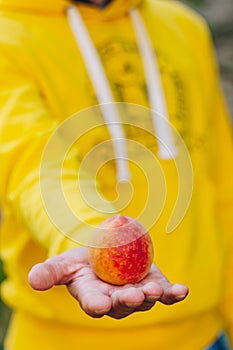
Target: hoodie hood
x=115 y=9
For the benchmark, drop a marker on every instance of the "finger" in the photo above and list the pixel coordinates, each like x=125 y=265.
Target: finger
x=95 y=304
x=125 y=301
x=54 y=271
x=129 y=297
x=152 y=292
x=147 y=305
x=42 y=276
x=92 y=295
x=174 y=293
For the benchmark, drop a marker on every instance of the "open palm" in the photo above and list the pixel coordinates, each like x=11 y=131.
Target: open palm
x=98 y=298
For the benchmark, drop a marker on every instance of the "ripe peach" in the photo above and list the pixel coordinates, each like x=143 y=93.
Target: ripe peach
x=121 y=251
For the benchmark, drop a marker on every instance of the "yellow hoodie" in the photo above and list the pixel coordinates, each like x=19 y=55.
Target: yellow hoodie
x=44 y=80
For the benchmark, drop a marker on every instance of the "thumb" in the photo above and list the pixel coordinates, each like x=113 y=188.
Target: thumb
x=44 y=276
x=57 y=270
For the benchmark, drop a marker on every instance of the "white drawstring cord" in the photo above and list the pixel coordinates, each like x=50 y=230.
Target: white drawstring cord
x=103 y=92
x=167 y=149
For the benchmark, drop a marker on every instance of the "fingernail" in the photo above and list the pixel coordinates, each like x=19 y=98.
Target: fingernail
x=180 y=297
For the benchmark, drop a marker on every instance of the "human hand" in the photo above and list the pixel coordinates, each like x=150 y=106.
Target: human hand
x=98 y=298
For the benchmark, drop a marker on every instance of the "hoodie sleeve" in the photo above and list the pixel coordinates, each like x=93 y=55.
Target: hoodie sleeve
x=221 y=167
x=224 y=185
x=26 y=125
x=220 y=156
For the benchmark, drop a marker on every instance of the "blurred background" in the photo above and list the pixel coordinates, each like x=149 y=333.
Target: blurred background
x=219 y=16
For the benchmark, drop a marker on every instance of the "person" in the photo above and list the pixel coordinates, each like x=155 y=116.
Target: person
x=68 y=68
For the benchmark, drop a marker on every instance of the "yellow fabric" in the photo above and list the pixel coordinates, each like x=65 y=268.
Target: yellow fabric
x=97 y=338
x=44 y=81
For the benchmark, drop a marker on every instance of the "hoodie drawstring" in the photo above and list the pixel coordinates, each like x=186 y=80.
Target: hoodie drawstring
x=103 y=91
x=166 y=147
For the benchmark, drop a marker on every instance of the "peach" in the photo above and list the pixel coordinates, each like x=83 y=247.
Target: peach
x=121 y=251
